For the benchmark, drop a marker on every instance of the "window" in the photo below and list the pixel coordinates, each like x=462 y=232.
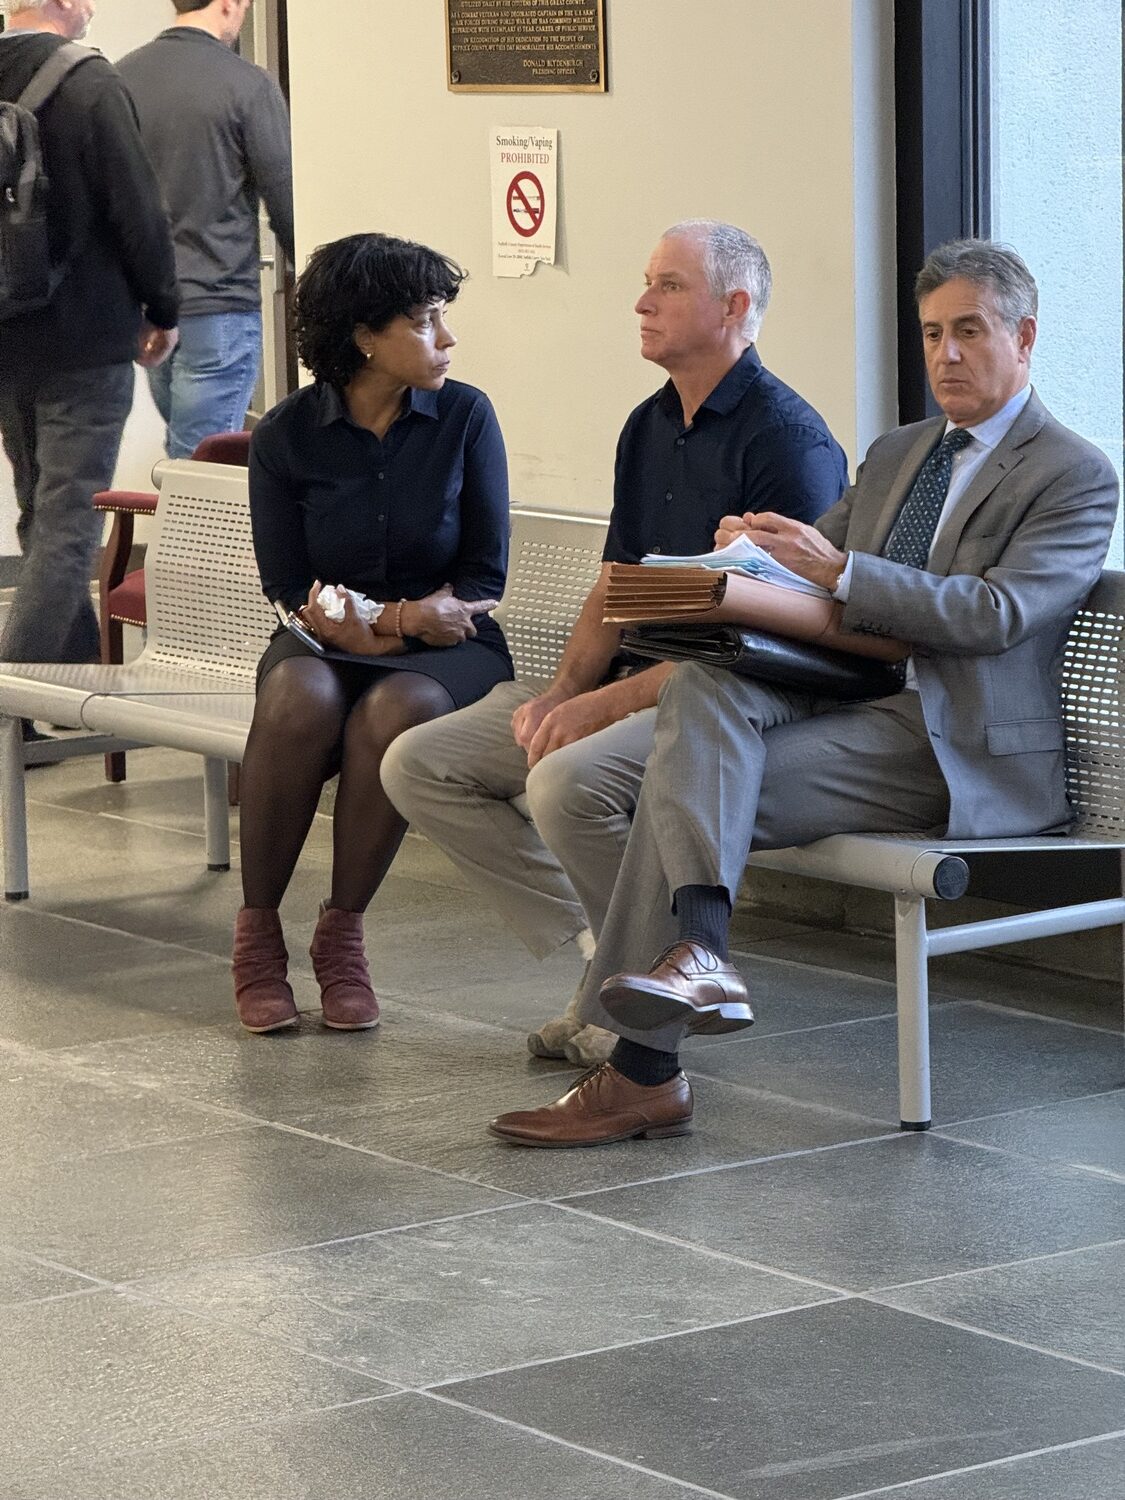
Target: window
x=1055 y=168
x=1009 y=126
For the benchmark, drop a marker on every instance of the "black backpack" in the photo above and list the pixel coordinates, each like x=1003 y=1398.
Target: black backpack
x=27 y=278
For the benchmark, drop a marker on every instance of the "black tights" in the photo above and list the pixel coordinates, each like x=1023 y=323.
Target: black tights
x=309 y=722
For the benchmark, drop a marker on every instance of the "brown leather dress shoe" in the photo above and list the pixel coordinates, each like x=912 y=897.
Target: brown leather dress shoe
x=687 y=983
x=602 y=1106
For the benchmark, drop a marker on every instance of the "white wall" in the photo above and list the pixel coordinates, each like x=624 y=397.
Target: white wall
x=119 y=26
x=776 y=116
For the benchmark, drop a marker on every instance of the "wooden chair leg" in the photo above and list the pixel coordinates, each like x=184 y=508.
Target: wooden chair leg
x=234 y=777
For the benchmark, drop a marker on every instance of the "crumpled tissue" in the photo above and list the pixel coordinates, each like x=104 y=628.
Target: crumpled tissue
x=331 y=600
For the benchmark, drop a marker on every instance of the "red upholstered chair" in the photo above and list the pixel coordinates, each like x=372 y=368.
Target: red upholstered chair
x=121 y=594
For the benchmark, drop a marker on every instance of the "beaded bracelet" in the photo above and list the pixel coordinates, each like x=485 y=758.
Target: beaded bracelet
x=398 y=618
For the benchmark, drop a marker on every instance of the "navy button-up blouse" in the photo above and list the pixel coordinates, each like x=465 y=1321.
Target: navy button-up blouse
x=396 y=519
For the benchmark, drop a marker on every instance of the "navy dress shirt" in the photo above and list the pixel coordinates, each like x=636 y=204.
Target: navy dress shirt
x=393 y=519
x=754 y=444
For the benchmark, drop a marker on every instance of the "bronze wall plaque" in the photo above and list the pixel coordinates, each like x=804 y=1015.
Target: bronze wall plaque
x=525 y=46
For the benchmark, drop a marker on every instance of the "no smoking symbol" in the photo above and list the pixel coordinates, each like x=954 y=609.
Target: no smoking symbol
x=526 y=203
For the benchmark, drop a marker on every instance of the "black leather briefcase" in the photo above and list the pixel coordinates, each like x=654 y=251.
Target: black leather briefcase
x=771 y=658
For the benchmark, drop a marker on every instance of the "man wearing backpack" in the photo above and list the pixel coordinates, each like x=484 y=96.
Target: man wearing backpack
x=87 y=286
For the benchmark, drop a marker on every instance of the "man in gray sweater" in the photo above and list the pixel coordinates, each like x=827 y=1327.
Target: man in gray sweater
x=217 y=130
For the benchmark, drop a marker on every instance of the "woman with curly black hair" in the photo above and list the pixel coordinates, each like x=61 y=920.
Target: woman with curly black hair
x=387 y=479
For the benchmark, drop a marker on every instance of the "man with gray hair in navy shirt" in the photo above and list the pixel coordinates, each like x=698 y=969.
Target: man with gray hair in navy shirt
x=722 y=436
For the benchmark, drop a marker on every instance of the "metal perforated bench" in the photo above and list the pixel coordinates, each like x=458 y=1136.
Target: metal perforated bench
x=553 y=562
x=192 y=687
x=917 y=870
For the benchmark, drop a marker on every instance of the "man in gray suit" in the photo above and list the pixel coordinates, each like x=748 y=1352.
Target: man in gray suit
x=973 y=537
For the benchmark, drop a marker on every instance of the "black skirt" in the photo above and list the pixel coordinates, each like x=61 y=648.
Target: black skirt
x=467 y=671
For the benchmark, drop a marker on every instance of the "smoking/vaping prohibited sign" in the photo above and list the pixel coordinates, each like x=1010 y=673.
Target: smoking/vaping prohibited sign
x=524 y=162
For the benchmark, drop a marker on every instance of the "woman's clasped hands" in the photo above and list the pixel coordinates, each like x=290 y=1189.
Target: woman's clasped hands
x=438 y=619
x=352 y=633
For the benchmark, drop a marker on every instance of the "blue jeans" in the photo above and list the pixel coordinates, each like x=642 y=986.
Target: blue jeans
x=206 y=385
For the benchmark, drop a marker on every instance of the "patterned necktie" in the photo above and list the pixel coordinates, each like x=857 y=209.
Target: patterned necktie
x=912 y=535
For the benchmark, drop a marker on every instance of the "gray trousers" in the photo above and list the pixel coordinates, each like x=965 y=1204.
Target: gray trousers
x=455 y=779
x=737 y=764
x=62 y=434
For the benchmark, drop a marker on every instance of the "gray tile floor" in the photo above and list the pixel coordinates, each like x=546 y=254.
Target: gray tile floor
x=296 y=1267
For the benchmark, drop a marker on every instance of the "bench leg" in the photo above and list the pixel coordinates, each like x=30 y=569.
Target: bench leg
x=13 y=805
x=912 y=981
x=112 y=632
x=216 y=812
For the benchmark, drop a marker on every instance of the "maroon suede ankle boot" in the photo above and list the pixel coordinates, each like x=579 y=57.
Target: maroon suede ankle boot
x=262 y=995
x=347 y=1000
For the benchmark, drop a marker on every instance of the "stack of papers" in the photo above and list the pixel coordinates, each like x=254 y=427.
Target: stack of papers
x=741 y=556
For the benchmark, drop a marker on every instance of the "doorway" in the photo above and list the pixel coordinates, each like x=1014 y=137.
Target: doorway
x=265 y=41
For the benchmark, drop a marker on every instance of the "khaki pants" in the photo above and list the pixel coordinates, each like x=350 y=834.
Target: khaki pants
x=455 y=779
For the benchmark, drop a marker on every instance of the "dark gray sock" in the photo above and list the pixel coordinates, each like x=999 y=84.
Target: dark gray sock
x=703 y=912
x=644 y=1065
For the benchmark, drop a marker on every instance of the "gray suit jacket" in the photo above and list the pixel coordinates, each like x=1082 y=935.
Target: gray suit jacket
x=987 y=622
